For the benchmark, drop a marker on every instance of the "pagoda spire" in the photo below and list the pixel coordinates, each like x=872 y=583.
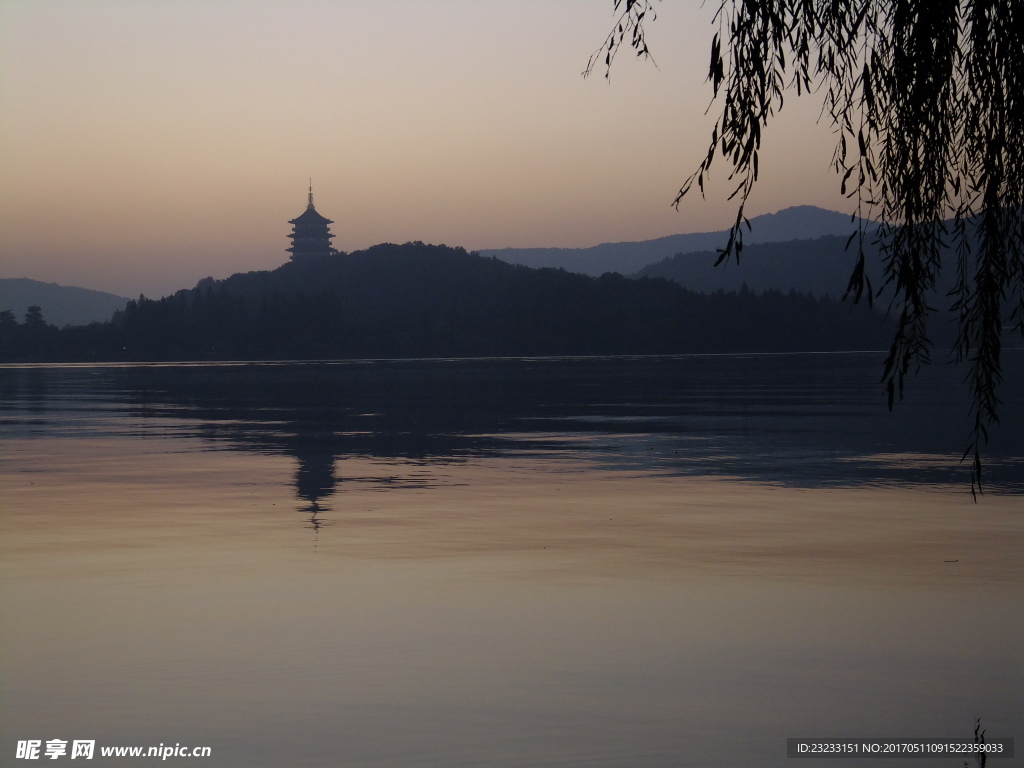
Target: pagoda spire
x=310 y=206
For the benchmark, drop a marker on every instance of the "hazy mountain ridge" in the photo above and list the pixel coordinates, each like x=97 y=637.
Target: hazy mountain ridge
x=820 y=267
x=803 y=222
x=61 y=304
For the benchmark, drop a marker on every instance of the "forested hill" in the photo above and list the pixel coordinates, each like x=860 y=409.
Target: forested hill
x=418 y=300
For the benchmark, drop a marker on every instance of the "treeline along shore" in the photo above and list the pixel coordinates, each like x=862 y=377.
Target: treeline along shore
x=417 y=300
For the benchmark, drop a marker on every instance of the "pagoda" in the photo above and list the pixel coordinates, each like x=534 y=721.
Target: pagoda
x=311 y=237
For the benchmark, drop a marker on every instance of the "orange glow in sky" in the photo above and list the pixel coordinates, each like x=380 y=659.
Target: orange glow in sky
x=147 y=144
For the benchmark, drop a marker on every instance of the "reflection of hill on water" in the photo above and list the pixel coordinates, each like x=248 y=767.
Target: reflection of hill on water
x=437 y=410
x=319 y=412
x=805 y=420
x=782 y=418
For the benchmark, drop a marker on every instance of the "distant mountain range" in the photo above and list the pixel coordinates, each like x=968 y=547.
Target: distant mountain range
x=804 y=222
x=61 y=304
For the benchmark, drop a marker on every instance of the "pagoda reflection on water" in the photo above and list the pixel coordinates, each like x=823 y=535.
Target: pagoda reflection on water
x=311 y=235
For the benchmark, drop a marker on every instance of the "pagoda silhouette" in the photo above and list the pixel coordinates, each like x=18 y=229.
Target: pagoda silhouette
x=310 y=235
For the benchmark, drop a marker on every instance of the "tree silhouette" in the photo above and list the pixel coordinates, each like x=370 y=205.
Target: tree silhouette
x=927 y=102
x=34 y=317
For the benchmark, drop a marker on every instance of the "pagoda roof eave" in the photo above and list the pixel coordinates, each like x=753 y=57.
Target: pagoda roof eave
x=310 y=215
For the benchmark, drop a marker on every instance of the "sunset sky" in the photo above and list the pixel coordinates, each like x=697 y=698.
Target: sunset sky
x=145 y=144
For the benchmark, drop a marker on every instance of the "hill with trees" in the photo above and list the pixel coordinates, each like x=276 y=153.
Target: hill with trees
x=417 y=300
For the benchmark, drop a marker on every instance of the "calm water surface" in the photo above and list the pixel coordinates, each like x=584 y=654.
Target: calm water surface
x=576 y=562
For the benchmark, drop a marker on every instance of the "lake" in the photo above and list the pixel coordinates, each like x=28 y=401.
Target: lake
x=651 y=561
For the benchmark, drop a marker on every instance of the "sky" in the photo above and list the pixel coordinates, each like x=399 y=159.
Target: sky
x=146 y=144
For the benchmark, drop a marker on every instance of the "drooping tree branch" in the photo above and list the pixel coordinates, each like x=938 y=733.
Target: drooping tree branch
x=927 y=103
